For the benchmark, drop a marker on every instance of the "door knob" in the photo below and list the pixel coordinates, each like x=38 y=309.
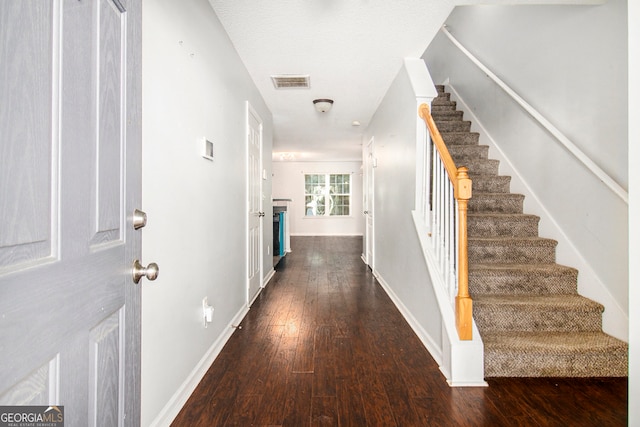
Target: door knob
x=139 y=219
x=260 y=214
x=366 y=212
x=139 y=271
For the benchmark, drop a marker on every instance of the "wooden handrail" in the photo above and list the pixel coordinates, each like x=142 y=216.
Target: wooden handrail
x=449 y=164
x=461 y=183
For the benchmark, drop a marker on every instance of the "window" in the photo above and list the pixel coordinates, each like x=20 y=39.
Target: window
x=327 y=194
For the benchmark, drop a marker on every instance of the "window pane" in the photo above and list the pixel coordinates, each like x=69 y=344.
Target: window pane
x=341 y=205
x=320 y=205
x=340 y=183
x=309 y=206
x=314 y=188
x=314 y=183
x=340 y=210
x=327 y=194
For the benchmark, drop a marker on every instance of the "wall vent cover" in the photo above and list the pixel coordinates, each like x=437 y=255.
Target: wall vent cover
x=291 y=81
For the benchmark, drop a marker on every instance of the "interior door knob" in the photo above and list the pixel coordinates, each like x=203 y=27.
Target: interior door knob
x=260 y=214
x=139 y=271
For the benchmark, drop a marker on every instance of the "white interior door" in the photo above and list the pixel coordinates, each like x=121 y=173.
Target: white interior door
x=254 y=202
x=70 y=176
x=369 y=203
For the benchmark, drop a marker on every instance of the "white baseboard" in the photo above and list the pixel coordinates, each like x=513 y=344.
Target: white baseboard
x=461 y=362
x=326 y=234
x=180 y=397
x=424 y=337
x=268 y=277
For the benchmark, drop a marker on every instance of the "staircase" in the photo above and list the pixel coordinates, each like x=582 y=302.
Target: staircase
x=532 y=321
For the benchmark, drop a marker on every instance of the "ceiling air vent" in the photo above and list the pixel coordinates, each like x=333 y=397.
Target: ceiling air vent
x=291 y=81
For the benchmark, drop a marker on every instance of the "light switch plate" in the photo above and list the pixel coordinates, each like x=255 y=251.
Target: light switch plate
x=207 y=149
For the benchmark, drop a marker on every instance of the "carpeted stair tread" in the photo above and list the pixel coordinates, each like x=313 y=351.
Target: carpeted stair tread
x=514 y=241
x=454 y=138
x=536 y=313
x=443 y=107
x=460 y=153
x=481 y=166
x=561 y=301
x=507 y=203
x=453 y=125
x=554 y=341
x=483 y=183
x=516 y=250
x=443 y=115
x=522 y=279
x=502 y=225
x=554 y=354
x=443 y=101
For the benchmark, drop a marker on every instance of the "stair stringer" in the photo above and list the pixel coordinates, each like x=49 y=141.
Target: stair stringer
x=615 y=321
x=462 y=362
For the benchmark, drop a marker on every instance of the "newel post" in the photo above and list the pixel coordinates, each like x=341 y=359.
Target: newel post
x=464 y=304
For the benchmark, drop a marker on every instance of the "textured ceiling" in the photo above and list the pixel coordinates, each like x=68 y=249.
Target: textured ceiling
x=352 y=51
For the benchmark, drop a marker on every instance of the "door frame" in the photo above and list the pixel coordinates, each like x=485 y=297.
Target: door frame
x=132 y=394
x=369 y=195
x=250 y=111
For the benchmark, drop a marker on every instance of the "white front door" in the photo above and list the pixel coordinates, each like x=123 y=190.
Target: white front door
x=70 y=145
x=369 y=203
x=254 y=203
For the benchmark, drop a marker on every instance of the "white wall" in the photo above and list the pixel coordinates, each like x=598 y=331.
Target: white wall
x=288 y=183
x=634 y=212
x=570 y=63
x=194 y=86
x=399 y=262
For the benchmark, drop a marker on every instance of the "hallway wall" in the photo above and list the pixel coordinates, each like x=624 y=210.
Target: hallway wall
x=195 y=86
x=634 y=211
x=399 y=261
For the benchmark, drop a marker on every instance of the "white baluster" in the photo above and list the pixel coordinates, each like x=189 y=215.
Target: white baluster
x=445 y=233
x=452 y=247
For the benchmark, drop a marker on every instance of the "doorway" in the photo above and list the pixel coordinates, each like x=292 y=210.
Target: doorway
x=255 y=214
x=369 y=196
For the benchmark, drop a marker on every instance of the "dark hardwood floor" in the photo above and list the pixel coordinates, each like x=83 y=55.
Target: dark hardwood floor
x=323 y=345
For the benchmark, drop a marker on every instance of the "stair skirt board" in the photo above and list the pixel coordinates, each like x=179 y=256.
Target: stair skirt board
x=532 y=321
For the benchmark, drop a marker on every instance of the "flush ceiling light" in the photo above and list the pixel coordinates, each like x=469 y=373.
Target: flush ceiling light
x=323 y=105
x=287 y=156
